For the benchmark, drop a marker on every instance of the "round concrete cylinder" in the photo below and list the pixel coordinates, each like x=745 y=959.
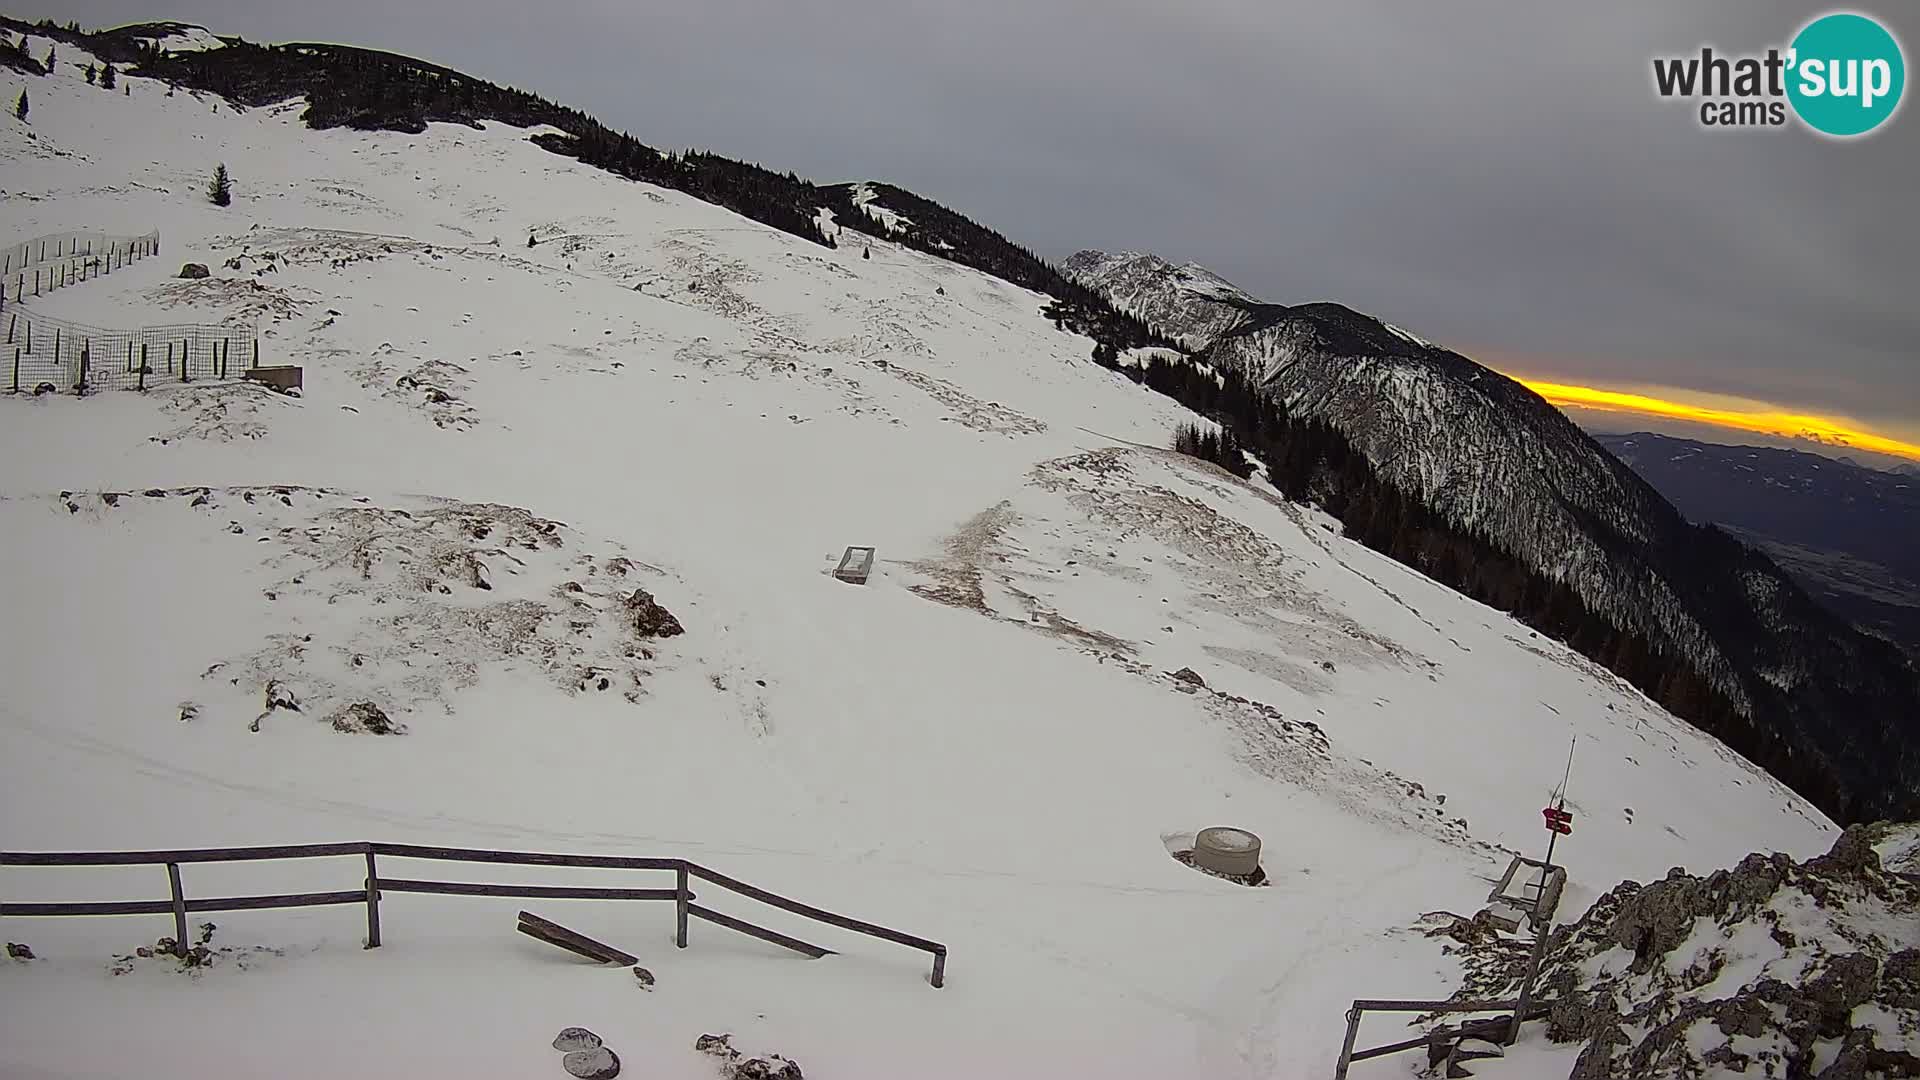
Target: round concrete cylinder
x=1227 y=851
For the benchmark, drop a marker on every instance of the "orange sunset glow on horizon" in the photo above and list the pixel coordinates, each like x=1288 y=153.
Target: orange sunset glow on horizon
x=1756 y=417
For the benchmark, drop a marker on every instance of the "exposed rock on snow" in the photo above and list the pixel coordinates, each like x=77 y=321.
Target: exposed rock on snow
x=366 y=718
x=1773 y=968
x=194 y=271
x=575 y=1039
x=737 y=1066
x=649 y=619
x=17 y=951
x=598 y=1063
x=378 y=610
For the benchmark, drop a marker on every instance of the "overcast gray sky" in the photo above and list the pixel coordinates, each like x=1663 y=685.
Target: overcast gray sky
x=1497 y=177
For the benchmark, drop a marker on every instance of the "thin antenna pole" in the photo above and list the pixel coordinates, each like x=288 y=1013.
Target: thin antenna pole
x=1569 y=776
x=1560 y=803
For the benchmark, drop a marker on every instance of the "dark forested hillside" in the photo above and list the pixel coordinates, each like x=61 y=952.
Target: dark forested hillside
x=371 y=90
x=1823 y=706
x=934 y=229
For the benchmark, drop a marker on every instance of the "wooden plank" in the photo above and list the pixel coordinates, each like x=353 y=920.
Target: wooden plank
x=551 y=892
x=1390 y=1048
x=116 y=907
x=280 y=900
x=541 y=935
x=812 y=951
x=191 y=855
x=554 y=934
x=815 y=913
x=522 y=858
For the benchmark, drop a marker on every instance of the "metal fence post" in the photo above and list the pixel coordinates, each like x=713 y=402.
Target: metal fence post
x=680 y=905
x=179 y=911
x=256 y=351
x=373 y=902
x=142 y=383
x=16 y=369
x=939 y=978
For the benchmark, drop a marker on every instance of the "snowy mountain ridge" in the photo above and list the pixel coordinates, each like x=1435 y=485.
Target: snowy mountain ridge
x=1493 y=458
x=546 y=408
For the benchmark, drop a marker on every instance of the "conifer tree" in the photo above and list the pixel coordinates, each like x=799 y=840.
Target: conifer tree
x=92 y=75
x=51 y=55
x=220 y=191
x=106 y=77
x=20 y=106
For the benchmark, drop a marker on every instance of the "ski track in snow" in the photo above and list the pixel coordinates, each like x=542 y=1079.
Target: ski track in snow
x=983 y=745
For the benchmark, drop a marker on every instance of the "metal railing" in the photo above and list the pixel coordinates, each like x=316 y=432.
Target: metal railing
x=373 y=886
x=1362 y=1006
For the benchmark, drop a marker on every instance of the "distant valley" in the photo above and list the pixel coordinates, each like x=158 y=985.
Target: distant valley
x=1849 y=534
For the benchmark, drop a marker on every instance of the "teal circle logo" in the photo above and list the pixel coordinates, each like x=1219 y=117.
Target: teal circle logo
x=1846 y=74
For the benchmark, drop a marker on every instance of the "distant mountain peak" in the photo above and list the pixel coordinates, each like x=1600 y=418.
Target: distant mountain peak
x=1492 y=458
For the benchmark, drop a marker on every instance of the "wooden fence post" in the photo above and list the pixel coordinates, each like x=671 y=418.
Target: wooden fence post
x=256 y=351
x=142 y=384
x=1542 y=930
x=680 y=905
x=179 y=911
x=226 y=353
x=939 y=970
x=1346 y=1051
x=373 y=902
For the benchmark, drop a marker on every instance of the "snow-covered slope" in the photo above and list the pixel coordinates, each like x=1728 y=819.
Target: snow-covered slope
x=1494 y=459
x=1190 y=303
x=499 y=445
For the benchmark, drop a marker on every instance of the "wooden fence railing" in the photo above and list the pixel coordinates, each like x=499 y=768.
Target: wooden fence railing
x=373 y=886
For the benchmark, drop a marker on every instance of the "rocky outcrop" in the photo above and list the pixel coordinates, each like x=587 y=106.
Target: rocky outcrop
x=735 y=1065
x=1772 y=968
x=649 y=619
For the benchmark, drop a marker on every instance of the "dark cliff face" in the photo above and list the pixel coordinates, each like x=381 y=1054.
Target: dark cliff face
x=1491 y=457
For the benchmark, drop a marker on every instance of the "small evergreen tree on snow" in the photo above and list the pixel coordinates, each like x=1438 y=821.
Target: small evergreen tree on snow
x=92 y=74
x=106 y=77
x=866 y=253
x=50 y=59
x=20 y=106
x=220 y=190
